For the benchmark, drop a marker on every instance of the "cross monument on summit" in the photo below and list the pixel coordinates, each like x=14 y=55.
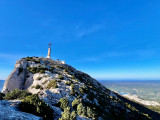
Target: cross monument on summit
x=49 y=51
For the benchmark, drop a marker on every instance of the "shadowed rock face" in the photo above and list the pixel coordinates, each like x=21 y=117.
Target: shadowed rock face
x=52 y=81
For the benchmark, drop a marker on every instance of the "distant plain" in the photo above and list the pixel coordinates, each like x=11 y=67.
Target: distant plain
x=144 y=89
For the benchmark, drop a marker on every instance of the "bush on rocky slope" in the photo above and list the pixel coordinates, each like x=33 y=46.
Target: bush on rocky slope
x=63 y=103
x=1 y=96
x=52 y=83
x=68 y=115
x=16 y=94
x=32 y=104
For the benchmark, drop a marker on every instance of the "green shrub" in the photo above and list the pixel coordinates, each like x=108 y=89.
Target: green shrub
x=60 y=77
x=37 y=61
x=58 y=80
x=52 y=83
x=73 y=91
x=73 y=77
x=81 y=91
x=42 y=71
x=34 y=70
x=68 y=82
x=75 y=103
x=1 y=96
x=76 y=81
x=51 y=69
x=38 y=87
x=73 y=115
x=32 y=104
x=91 y=96
x=63 y=103
x=16 y=94
x=81 y=110
x=67 y=115
x=39 y=78
x=91 y=114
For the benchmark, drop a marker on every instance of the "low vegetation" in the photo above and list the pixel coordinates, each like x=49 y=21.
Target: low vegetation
x=1 y=96
x=16 y=94
x=60 y=77
x=39 y=78
x=32 y=59
x=75 y=103
x=32 y=104
x=52 y=84
x=68 y=115
x=68 y=83
x=38 y=87
x=63 y=103
x=81 y=110
x=73 y=91
x=34 y=70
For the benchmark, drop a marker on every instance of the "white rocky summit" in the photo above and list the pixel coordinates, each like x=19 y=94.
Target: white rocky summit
x=53 y=80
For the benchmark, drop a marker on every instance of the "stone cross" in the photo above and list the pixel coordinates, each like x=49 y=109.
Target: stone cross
x=49 y=51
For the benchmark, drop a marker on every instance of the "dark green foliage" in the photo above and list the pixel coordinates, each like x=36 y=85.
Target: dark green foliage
x=38 y=87
x=60 y=77
x=20 y=70
x=67 y=115
x=51 y=69
x=16 y=94
x=34 y=70
x=75 y=103
x=68 y=82
x=91 y=96
x=37 y=61
x=73 y=115
x=81 y=110
x=91 y=113
x=73 y=91
x=32 y=104
x=42 y=71
x=32 y=59
x=1 y=96
x=73 y=77
x=81 y=90
x=52 y=83
x=39 y=78
x=63 y=103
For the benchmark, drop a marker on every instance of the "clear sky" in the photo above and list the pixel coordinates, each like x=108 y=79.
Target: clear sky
x=108 y=39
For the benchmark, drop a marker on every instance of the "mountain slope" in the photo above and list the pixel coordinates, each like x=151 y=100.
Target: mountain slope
x=83 y=96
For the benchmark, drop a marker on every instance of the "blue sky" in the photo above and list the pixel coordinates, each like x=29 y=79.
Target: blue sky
x=107 y=39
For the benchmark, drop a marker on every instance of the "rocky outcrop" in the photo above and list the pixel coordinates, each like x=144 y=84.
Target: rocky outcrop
x=17 y=78
x=52 y=80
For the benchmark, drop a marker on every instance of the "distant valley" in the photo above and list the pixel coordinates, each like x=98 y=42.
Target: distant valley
x=144 y=89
